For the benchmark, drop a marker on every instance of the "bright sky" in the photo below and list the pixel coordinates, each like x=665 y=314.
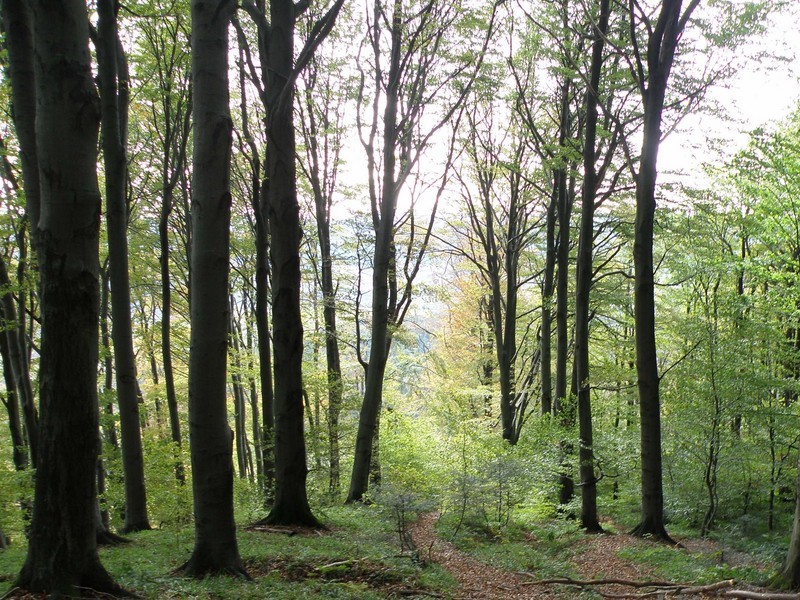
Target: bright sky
x=761 y=93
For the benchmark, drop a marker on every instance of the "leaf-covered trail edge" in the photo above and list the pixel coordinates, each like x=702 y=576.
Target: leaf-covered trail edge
x=596 y=557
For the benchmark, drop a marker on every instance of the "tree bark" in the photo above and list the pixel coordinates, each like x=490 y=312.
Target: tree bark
x=563 y=406
x=18 y=363
x=62 y=553
x=661 y=45
x=382 y=259
x=321 y=170
x=215 y=549
x=18 y=30
x=114 y=106
x=19 y=453
x=583 y=280
x=789 y=575
x=267 y=432
x=548 y=286
x=290 y=506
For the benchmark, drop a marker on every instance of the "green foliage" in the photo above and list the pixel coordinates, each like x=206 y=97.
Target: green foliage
x=16 y=491
x=677 y=564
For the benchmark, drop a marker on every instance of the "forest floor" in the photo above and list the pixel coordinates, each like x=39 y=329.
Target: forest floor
x=594 y=558
x=362 y=557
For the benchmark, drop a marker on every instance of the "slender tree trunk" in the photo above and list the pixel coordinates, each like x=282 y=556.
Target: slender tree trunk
x=109 y=428
x=563 y=404
x=546 y=343
x=19 y=453
x=18 y=364
x=382 y=260
x=321 y=171
x=18 y=30
x=62 y=553
x=114 y=107
x=662 y=42
x=267 y=432
x=215 y=549
x=254 y=407
x=583 y=281
x=166 y=322
x=280 y=197
x=239 y=403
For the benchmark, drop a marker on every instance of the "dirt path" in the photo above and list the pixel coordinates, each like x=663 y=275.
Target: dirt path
x=595 y=557
x=476 y=578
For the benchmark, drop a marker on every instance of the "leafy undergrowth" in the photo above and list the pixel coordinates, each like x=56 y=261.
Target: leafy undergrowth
x=358 y=558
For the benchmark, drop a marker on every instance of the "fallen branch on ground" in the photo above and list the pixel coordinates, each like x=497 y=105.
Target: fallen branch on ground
x=591 y=582
x=747 y=595
x=659 y=588
x=283 y=530
x=664 y=592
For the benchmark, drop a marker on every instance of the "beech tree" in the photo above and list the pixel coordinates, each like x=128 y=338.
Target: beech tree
x=583 y=277
x=210 y=436
x=503 y=225
x=62 y=552
x=280 y=208
x=18 y=29
x=113 y=81
x=407 y=74
x=321 y=109
x=164 y=52
x=653 y=66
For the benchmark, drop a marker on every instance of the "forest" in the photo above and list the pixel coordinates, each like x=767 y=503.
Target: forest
x=399 y=298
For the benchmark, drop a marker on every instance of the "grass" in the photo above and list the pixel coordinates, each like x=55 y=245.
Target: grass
x=362 y=541
x=360 y=557
x=548 y=547
x=541 y=545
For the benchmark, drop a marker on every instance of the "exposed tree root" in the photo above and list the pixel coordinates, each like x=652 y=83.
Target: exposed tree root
x=289 y=531
x=289 y=518
x=646 y=529
x=198 y=571
x=107 y=538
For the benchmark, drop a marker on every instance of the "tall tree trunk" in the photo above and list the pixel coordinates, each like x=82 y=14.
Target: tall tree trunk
x=215 y=549
x=18 y=30
x=648 y=380
x=320 y=172
x=280 y=197
x=583 y=280
x=62 y=553
x=108 y=427
x=114 y=106
x=18 y=363
x=166 y=321
x=546 y=343
x=383 y=258
x=237 y=383
x=563 y=405
x=661 y=45
x=19 y=450
x=267 y=432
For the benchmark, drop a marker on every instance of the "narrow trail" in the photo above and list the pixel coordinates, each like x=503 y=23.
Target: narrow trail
x=595 y=557
x=476 y=578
